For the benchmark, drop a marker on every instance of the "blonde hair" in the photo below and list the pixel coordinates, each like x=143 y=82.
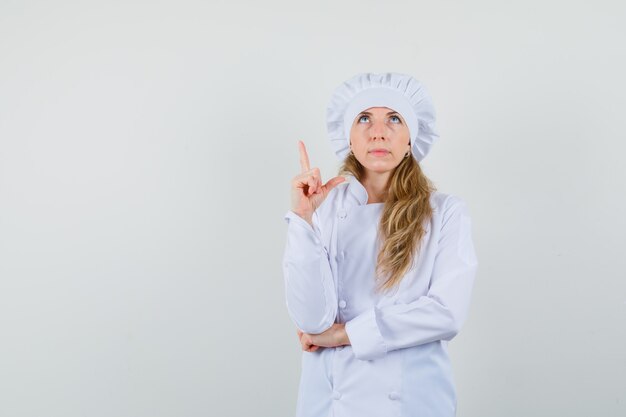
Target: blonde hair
x=405 y=212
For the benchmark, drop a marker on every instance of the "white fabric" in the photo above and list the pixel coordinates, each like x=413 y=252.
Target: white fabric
x=397 y=364
x=399 y=92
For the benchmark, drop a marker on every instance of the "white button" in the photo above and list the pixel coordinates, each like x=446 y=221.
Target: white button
x=342 y=303
x=341 y=214
x=393 y=395
x=336 y=395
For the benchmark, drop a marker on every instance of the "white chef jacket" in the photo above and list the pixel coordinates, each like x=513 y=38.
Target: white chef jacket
x=397 y=364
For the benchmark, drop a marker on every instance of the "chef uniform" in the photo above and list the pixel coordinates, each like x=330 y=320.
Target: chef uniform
x=397 y=364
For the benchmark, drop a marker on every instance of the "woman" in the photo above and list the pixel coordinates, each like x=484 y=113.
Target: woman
x=378 y=265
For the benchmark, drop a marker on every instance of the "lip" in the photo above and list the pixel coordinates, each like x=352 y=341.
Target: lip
x=379 y=151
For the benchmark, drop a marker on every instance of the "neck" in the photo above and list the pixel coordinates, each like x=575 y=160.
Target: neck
x=375 y=184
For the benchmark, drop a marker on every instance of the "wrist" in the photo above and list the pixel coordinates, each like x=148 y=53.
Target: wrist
x=308 y=219
x=344 y=339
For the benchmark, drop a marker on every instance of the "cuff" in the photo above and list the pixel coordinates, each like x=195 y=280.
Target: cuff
x=290 y=217
x=365 y=338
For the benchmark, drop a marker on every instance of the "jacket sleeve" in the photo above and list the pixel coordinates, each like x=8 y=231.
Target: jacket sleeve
x=311 y=296
x=440 y=313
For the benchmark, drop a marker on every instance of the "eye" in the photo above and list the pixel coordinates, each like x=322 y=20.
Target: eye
x=397 y=118
x=361 y=118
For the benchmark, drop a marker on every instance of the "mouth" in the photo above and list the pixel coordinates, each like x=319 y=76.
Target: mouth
x=379 y=152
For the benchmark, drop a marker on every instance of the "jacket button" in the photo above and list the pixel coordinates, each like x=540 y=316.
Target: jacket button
x=341 y=214
x=393 y=395
x=336 y=395
x=342 y=303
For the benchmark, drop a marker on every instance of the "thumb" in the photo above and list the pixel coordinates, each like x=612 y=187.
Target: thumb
x=333 y=182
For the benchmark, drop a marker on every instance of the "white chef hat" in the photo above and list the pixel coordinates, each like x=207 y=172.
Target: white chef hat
x=399 y=92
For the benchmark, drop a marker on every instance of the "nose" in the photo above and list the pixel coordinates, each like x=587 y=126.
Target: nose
x=378 y=130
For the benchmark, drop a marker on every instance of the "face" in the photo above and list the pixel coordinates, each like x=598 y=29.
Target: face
x=379 y=139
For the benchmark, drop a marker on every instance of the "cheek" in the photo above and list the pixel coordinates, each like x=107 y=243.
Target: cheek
x=358 y=142
x=402 y=138
x=359 y=149
x=401 y=132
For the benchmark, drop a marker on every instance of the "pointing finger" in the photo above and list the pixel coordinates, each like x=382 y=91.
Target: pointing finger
x=304 y=157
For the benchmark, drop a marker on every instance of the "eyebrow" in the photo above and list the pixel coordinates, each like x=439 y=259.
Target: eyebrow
x=388 y=113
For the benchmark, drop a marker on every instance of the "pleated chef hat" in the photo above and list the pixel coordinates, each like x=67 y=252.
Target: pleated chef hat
x=399 y=92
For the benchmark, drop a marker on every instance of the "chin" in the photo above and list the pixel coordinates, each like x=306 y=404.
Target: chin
x=379 y=168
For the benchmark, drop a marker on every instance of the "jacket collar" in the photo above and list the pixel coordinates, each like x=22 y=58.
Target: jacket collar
x=357 y=190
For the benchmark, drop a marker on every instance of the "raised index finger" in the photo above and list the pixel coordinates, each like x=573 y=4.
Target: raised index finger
x=304 y=157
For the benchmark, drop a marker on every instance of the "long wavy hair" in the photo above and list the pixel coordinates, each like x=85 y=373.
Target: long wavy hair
x=406 y=210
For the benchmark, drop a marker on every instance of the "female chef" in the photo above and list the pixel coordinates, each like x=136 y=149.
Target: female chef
x=378 y=265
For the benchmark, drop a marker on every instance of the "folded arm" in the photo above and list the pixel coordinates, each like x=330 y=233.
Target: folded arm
x=440 y=313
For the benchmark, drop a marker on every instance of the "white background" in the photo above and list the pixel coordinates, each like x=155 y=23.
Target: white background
x=146 y=152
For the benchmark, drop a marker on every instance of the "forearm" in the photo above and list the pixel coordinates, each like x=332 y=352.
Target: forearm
x=309 y=285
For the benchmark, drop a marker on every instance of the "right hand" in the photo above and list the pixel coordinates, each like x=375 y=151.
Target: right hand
x=307 y=191
x=306 y=342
